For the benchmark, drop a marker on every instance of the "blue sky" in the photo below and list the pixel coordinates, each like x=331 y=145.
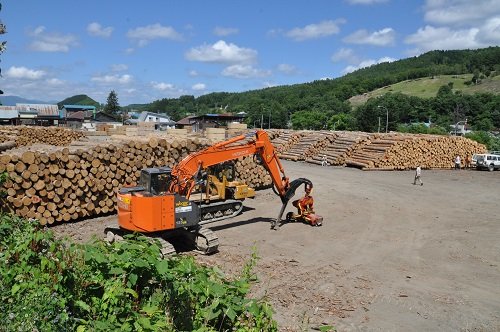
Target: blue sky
x=153 y=49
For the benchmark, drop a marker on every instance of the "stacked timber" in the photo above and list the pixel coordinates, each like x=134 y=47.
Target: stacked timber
x=61 y=185
x=215 y=134
x=26 y=135
x=407 y=151
x=309 y=146
x=372 y=150
x=284 y=140
x=252 y=173
x=69 y=184
x=236 y=129
x=342 y=147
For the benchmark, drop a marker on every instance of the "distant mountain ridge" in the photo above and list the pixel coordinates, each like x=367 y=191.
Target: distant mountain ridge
x=13 y=100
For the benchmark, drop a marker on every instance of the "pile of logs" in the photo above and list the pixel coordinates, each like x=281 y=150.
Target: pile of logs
x=406 y=151
x=25 y=135
x=427 y=151
x=310 y=144
x=69 y=184
x=341 y=148
x=74 y=182
x=252 y=173
x=376 y=151
x=283 y=140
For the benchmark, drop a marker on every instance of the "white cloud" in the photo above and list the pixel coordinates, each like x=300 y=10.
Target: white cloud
x=382 y=37
x=162 y=86
x=95 y=29
x=366 y=63
x=460 y=12
x=221 y=52
x=314 y=31
x=113 y=79
x=345 y=54
x=287 y=69
x=489 y=33
x=193 y=73
x=199 y=87
x=24 y=73
x=55 y=82
x=143 y=35
x=51 y=42
x=244 y=71
x=365 y=2
x=119 y=67
x=222 y=32
x=431 y=38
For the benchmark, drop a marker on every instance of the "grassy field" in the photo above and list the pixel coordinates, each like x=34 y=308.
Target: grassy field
x=428 y=87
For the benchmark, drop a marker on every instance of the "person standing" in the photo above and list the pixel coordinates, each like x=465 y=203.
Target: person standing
x=457 y=162
x=467 y=161
x=324 y=161
x=418 y=173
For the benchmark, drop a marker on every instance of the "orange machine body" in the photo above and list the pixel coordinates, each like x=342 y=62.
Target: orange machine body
x=147 y=213
x=166 y=205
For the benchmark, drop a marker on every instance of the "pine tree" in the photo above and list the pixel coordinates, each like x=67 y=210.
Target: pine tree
x=112 y=105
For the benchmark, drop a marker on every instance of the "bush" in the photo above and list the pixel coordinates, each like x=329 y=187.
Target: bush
x=492 y=143
x=52 y=285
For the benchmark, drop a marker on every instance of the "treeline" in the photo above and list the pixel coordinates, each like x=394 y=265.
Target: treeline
x=279 y=107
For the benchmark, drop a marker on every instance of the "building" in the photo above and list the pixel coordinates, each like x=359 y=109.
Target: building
x=202 y=122
x=161 y=121
x=9 y=115
x=76 y=115
x=39 y=114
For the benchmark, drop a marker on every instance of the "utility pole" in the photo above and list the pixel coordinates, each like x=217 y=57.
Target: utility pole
x=261 y=120
x=386 y=117
x=378 y=130
x=269 y=127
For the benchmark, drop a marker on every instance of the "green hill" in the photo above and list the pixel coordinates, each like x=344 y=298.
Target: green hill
x=428 y=87
x=78 y=100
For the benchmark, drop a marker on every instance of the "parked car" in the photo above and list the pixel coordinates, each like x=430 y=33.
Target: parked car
x=488 y=161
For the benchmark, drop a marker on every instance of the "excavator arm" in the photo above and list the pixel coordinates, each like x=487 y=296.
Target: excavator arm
x=186 y=175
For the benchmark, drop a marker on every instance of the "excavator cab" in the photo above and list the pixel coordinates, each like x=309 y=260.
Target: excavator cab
x=156 y=180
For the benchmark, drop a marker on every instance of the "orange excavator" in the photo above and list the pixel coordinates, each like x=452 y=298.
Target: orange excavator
x=178 y=201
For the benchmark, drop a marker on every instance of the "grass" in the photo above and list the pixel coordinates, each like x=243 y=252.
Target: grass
x=428 y=87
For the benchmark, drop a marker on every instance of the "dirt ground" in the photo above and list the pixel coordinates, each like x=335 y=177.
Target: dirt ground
x=390 y=256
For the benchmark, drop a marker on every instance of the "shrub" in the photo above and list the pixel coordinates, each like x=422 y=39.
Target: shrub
x=49 y=284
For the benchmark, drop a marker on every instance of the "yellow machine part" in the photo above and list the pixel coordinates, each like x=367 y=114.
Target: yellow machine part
x=243 y=191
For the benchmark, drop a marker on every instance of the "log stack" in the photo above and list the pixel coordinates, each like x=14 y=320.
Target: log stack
x=283 y=140
x=67 y=184
x=308 y=146
x=407 y=151
x=252 y=173
x=51 y=135
x=342 y=146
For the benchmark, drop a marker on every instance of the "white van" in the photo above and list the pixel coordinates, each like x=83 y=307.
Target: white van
x=488 y=161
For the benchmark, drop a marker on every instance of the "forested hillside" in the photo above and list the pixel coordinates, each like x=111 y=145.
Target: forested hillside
x=78 y=100
x=324 y=103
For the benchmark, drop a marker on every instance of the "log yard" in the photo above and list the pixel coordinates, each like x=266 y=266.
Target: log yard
x=419 y=257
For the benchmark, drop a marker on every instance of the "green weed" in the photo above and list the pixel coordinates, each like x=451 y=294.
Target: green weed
x=53 y=285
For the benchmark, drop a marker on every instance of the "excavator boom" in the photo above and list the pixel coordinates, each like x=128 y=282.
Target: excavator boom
x=186 y=172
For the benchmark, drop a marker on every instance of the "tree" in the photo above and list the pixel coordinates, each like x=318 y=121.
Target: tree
x=112 y=105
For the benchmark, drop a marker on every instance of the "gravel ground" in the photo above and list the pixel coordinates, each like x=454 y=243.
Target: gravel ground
x=390 y=256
